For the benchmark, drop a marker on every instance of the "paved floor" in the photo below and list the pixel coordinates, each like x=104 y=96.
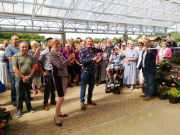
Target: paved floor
x=125 y=114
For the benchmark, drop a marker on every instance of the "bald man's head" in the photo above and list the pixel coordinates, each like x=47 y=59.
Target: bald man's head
x=23 y=48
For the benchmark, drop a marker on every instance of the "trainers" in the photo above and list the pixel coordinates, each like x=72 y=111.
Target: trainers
x=18 y=114
x=31 y=111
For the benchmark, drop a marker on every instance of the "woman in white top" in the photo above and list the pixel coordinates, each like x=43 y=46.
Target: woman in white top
x=140 y=50
x=3 y=66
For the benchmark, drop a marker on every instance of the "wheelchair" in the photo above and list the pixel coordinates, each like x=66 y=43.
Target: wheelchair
x=117 y=72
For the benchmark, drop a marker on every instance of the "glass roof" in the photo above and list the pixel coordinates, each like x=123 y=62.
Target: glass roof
x=104 y=16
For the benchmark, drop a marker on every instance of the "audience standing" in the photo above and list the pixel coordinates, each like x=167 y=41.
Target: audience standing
x=9 y=52
x=3 y=66
x=23 y=66
x=140 y=77
x=88 y=57
x=164 y=53
x=148 y=66
x=47 y=73
x=36 y=80
x=60 y=76
x=130 y=61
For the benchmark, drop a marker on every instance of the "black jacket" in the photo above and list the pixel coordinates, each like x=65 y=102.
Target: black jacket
x=150 y=62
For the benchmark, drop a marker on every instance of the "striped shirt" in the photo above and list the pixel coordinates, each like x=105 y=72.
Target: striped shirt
x=44 y=57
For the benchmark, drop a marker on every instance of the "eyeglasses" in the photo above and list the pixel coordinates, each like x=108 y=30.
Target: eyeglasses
x=139 y=45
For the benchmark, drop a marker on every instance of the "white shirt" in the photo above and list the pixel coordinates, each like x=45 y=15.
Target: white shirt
x=2 y=54
x=143 y=59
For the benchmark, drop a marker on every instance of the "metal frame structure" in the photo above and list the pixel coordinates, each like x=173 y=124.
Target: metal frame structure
x=89 y=16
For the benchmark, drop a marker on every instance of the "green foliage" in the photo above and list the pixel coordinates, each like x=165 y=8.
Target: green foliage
x=176 y=36
x=138 y=37
x=176 y=58
x=97 y=40
x=72 y=40
x=22 y=36
x=174 y=92
x=178 y=84
x=164 y=66
x=116 y=39
x=162 y=90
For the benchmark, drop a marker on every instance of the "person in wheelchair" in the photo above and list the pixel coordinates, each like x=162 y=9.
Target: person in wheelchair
x=114 y=65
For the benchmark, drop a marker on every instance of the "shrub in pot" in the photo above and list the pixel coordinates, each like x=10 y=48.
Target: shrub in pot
x=162 y=91
x=173 y=95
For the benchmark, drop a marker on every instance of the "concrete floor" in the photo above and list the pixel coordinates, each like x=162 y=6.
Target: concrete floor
x=125 y=114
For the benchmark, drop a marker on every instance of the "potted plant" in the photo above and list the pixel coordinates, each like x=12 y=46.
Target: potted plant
x=5 y=116
x=173 y=95
x=162 y=91
x=178 y=84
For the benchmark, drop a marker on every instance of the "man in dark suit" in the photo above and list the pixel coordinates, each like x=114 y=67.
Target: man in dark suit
x=148 y=65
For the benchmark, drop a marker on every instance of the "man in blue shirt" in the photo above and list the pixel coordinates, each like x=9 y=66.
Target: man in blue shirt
x=9 y=52
x=88 y=58
x=115 y=61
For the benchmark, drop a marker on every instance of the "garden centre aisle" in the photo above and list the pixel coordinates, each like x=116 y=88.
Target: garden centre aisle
x=125 y=114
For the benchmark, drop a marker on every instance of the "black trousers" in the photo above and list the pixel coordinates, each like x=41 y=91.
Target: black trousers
x=49 y=87
x=22 y=90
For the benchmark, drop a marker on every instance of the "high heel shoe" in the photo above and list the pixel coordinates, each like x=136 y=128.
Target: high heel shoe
x=58 y=122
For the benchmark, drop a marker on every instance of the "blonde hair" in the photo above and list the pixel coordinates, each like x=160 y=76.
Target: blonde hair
x=89 y=38
x=67 y=44
x=14 y=36
x=34 y=43
x=55 y=40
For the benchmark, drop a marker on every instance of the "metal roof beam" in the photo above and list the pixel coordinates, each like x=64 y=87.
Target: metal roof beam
x=105 y=13
x=18 y=15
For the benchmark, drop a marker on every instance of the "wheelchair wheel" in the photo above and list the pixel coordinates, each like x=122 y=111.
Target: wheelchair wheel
x=117 y=90
x=107 y=90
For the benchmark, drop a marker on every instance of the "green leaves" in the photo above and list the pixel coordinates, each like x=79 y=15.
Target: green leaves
x=174 y=92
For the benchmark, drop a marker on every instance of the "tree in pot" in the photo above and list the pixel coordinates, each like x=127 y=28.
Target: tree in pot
x=173 y=95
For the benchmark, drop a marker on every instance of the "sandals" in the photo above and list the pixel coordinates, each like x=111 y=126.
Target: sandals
x=58 y=122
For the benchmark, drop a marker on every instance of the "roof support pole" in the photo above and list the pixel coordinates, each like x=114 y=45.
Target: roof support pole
x=63 y=35
x=125 y=35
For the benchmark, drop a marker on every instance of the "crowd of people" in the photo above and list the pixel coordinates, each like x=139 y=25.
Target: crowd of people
x=30 y=66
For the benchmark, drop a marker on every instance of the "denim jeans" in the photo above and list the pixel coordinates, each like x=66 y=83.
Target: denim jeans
x=149 y=83
x=22 y=90
x=89 y=79
x=13 y=88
